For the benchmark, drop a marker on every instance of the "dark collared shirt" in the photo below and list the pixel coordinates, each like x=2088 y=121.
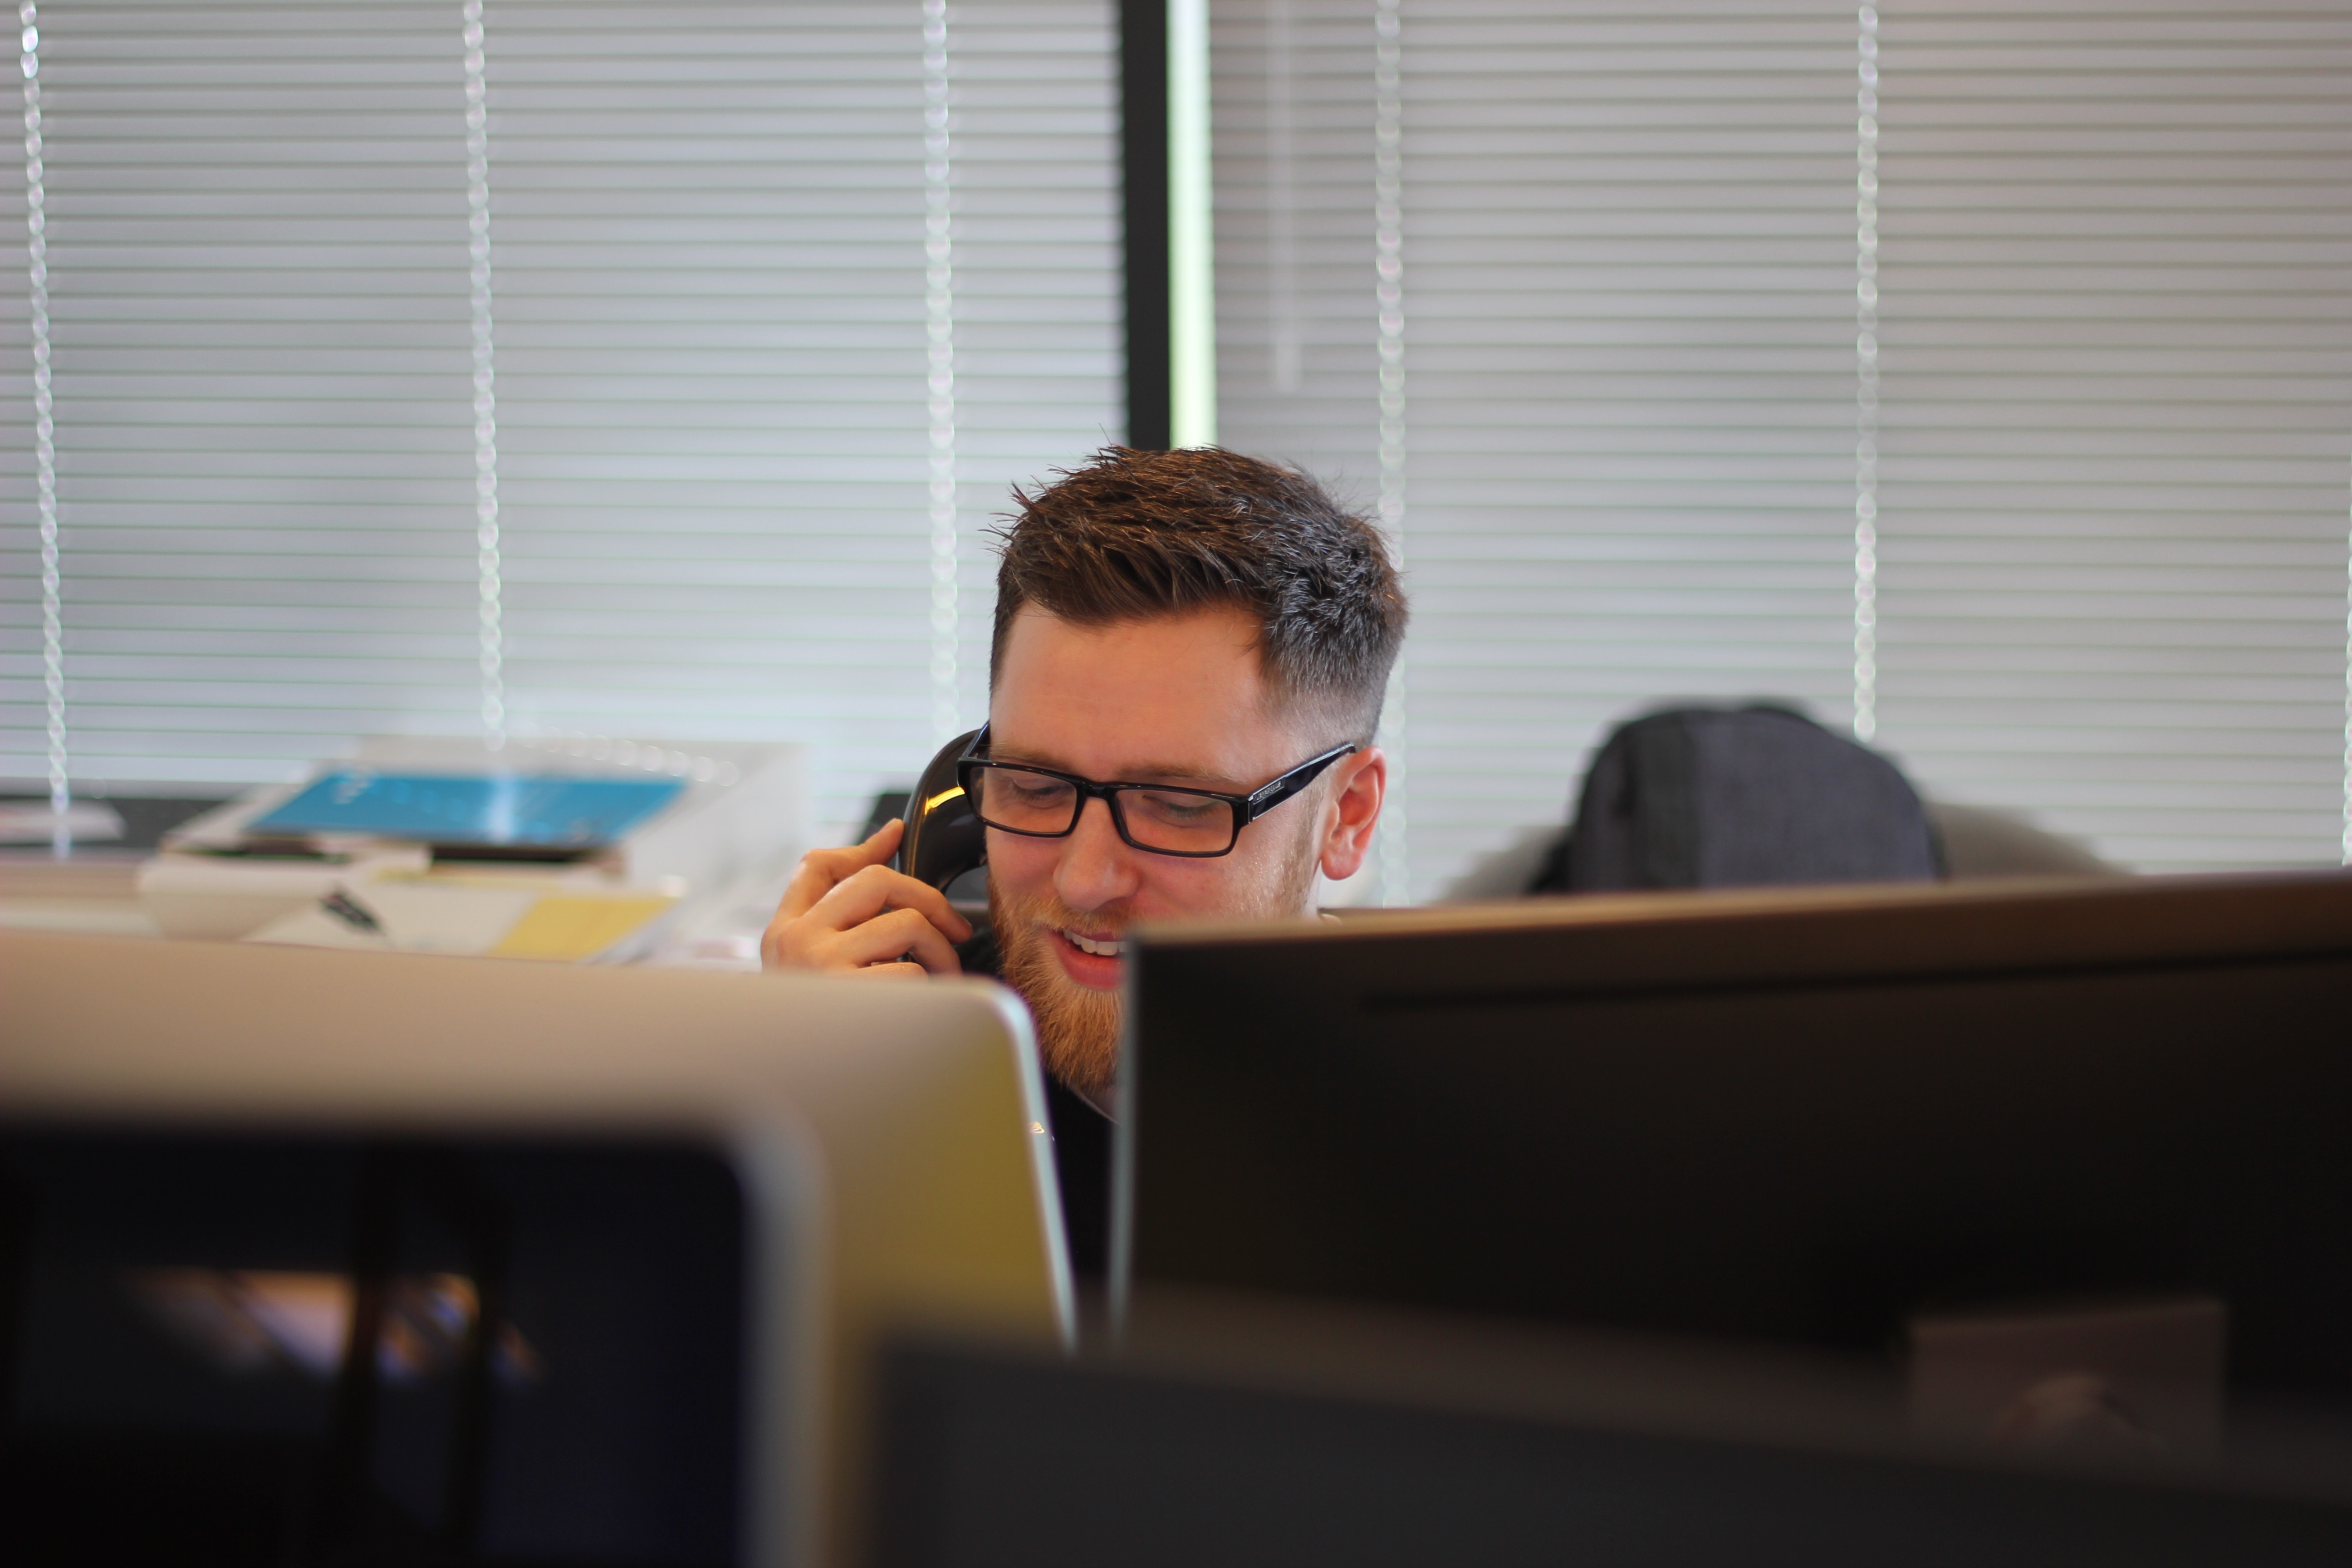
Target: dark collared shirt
x=1082 y=1143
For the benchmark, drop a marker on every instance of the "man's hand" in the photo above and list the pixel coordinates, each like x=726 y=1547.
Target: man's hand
x=848 y=912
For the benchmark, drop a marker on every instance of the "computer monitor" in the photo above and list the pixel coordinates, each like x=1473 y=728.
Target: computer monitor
x=1248 y=1433
x=1971 y=1119
x=622 y=1241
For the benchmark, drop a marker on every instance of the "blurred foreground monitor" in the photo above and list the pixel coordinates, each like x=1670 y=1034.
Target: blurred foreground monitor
x=341 y=1258
x=183 y=1312
x=1248 y=1432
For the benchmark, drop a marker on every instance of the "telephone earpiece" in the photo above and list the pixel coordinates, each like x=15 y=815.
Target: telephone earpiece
x=943 y=839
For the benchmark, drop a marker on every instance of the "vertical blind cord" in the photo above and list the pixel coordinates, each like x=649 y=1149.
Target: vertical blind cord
x=1388 y=243
x=45 y=451
x=489 y=567
x=1283 y=342
x=1865 y=350
x=938 y=317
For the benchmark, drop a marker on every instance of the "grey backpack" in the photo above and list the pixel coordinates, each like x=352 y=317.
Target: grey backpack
x=1713 y=797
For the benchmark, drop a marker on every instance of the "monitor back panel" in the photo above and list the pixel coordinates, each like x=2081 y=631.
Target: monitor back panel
x=990 y=1460
x=1799 y=1119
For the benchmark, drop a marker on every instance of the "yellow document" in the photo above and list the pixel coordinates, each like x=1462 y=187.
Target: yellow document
x=564 y=927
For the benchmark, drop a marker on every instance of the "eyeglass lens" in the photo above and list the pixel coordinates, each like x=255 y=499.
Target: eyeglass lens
x=1174 y=820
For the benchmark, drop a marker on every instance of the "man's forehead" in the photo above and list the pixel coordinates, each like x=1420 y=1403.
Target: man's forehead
x=1207 y=656
x=1228 y=628
x=1170 y=697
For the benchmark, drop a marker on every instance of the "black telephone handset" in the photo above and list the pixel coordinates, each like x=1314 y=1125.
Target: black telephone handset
x=944 y=838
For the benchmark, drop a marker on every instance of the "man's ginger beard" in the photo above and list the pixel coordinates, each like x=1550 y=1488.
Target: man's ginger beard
x=1078 y=1027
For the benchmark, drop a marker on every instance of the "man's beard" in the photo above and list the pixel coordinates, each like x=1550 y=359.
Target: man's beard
x=1078 y=1026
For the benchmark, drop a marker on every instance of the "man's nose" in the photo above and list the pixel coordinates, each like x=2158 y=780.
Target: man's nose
x=1096 y=868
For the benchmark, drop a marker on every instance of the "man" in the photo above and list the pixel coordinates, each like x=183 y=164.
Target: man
x=1175 y=632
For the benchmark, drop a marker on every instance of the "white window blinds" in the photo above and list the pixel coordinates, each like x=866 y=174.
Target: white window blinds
x=1625 y=357
x=1627 y=361
x=779 y=298
x=2115 y=327
x=719 y=395
x=255 y=223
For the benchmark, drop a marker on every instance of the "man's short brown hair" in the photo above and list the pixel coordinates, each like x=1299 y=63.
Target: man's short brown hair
x=1130 y=535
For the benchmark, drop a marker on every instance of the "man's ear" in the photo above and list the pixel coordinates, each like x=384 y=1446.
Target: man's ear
x=1360 y=785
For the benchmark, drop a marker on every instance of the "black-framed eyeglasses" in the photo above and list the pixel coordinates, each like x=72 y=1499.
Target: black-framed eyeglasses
x=1162 y=820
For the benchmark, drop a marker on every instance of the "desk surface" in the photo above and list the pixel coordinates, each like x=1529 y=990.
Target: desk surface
x=96 y=893
x=93 y=893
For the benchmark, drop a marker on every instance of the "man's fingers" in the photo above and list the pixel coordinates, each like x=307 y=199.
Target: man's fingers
x=821 y=870
x=933 y=951
x=887 y=937
x=882 y=843
x=869 y=892
x=846 y=910
x=772 y=950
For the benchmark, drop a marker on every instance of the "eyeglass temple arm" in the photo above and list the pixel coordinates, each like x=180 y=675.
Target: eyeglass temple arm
x=1291 y=782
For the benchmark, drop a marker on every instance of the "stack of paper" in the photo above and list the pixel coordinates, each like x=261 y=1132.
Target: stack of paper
x=479 y=915
x=616 y=831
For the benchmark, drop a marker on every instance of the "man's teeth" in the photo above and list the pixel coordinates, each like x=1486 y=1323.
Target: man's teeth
x=1100 y=948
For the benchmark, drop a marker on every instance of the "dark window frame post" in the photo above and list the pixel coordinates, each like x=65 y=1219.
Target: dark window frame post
x=1143 y=167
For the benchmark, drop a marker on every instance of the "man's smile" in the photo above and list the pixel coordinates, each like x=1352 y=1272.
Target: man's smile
x=1102 y=946
x=1092 y=959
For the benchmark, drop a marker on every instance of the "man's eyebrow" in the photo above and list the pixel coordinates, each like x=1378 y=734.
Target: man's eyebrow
x=1164 y=773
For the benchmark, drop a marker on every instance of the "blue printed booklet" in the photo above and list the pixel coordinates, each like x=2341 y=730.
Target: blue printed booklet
x=555 y=811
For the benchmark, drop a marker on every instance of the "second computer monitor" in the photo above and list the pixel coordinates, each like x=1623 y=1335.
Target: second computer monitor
x=1821 y=1119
